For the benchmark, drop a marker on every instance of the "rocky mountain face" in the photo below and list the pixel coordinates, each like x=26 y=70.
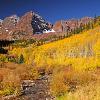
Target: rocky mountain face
x=30 y=23
x=69 y=25
x=19 y=27
x=0 y=25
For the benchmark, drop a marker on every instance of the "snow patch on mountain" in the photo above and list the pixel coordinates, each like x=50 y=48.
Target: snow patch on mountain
x=48 y=31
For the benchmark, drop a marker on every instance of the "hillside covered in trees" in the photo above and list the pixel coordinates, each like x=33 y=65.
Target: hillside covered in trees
x=70 y=64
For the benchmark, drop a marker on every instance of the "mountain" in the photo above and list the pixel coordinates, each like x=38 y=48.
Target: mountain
x=70 y=25
x=8 y=24
x=25 y=26
x=32 y=23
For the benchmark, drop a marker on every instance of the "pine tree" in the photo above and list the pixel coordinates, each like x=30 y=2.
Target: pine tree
x=21 y=59
x=95 y=19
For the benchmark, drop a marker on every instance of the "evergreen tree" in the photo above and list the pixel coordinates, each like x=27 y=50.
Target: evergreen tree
x=21 y=59
x=95 y=19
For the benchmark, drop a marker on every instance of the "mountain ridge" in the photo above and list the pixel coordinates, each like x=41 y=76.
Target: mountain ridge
x=15 y=27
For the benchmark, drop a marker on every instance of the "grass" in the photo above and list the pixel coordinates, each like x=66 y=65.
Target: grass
x=90 y=92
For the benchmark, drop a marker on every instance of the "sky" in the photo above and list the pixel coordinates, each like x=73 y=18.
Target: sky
x=51 y=10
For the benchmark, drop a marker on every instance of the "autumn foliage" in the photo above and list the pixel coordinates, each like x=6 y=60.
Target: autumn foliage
x=72 y=63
